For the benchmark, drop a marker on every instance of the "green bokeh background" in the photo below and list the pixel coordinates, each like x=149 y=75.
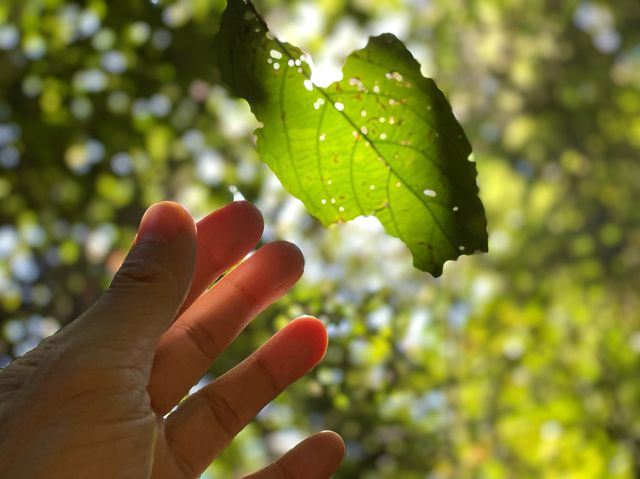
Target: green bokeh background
x=522 y=363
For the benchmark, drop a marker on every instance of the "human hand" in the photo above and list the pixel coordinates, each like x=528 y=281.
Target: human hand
x=91 y=401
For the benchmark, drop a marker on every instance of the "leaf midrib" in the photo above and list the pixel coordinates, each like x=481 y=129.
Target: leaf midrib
x=373 y=146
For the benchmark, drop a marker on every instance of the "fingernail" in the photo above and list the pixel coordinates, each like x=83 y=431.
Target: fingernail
x=163 y=222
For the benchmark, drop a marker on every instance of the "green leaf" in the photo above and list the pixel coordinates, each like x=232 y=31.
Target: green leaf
x=382 y=141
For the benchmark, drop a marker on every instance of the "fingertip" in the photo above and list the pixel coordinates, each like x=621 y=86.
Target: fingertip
x=319 y=455
x=311 y=323
x=225 y=236
x=248 y=207
x=178 y=211
x=310 y=333
x=240 y=221
x=334 y=442
x=164 y=221
x=249 y=215
x=295 y=349
x=286 y=253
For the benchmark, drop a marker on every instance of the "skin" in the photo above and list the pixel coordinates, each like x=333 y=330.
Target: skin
x=92 y=400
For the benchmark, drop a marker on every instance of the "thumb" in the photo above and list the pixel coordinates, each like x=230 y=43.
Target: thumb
x=149 y=288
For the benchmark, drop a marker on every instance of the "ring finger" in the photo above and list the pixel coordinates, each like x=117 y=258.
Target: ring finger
x=205 y=423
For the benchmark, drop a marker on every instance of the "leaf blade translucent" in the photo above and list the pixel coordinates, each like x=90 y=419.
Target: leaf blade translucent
x=382 y=141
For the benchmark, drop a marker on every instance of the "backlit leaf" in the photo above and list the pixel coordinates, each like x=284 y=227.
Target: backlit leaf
x=382 y=141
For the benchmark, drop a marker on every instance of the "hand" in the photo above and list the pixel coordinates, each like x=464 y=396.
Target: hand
x=91 y=401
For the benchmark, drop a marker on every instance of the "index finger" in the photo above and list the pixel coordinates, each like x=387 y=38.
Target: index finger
x=224 y=237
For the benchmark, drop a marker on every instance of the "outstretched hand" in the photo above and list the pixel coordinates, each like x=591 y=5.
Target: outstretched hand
x=94 y=399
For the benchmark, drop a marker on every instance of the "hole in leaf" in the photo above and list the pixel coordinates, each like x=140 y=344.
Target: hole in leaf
x=357 y=83
x=430 y=193
x=394 y=76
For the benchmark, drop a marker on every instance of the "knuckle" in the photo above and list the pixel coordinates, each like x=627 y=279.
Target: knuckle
x=142 y=268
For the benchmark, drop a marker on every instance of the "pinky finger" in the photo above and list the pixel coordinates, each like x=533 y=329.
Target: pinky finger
x=317 y=457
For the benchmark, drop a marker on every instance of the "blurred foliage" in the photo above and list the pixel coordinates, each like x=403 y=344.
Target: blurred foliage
x=517 y=364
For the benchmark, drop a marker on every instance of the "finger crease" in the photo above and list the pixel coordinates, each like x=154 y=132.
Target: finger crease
x=268 y=374
x=254 y=303
x=214 y=263
x=222 y=411
x=183 y=464
x=204 y=341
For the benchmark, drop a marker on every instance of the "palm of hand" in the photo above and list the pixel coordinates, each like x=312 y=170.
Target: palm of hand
x=92 y=400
